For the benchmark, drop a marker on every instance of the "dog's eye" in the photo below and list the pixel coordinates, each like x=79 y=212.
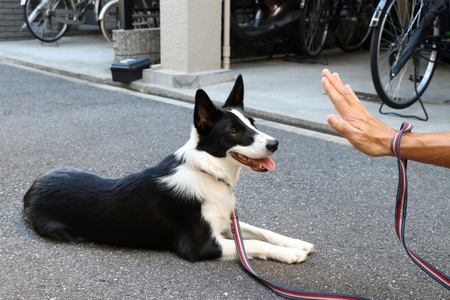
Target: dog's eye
x=233 y=131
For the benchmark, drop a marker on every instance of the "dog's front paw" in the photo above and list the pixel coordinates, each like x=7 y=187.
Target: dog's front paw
x=298 y=244
x=305 y=246
x=291 y=255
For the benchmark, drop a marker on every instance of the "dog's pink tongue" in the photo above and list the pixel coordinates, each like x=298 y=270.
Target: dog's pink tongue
x=267 y=163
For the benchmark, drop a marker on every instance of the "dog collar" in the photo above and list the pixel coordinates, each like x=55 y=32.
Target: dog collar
x=218 y=179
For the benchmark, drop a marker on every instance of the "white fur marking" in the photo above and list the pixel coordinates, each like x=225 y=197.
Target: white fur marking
x=258 y=148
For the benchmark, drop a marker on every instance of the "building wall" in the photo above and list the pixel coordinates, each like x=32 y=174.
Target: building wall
x=11 y=19
x=190 y=35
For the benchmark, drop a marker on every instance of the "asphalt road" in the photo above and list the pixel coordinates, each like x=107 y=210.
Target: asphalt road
x=322 y=192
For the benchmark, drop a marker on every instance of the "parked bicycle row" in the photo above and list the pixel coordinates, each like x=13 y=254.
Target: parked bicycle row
x=49 y=20
x=302 y=24
x=305 y=23
x=408 y=35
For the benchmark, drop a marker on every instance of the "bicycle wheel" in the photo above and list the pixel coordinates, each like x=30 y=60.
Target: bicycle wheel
x=396 y=25
x=40 y=19
x=353 y=28
x=110 y=19
x=313 y=27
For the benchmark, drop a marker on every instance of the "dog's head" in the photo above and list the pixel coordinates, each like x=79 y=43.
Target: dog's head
x=230 y=133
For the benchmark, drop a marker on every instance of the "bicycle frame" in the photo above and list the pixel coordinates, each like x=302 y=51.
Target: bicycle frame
x=377 y=13
x=73 y=16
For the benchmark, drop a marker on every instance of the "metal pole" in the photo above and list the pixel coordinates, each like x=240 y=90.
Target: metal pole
x=226 y=51
x=126 y=13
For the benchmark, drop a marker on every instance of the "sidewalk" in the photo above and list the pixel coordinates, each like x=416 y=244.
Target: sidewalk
x=283 y=91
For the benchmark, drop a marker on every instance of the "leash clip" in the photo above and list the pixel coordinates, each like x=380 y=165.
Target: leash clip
x=234 y=219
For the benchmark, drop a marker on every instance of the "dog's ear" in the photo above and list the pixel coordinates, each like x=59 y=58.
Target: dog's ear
x=236 y=97
x=205 y=113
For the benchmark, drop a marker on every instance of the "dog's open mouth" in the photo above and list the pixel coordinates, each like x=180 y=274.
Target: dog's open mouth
x=256 y=164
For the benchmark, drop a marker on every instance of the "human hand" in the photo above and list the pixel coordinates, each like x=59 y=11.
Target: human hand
x=365 y=132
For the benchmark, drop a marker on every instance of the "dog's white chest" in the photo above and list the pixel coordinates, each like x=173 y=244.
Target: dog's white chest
x=217 y=212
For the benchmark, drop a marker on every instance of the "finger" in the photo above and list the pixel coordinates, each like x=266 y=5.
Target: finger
x=331 y=92
x=343 y=98
x=332 y=120
x=326 y=72
x=339 y=125
x=345 y=91
x=332 y=77
x=355 y=103
x=339 y=102
x=327 y=86
x=335 y=81
x=351 y=95
x=338 y=78
x=342 y=127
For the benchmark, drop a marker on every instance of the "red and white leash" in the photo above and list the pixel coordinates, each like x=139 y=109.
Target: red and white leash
x=279 y=290
x=400 y=218
x=400 y=210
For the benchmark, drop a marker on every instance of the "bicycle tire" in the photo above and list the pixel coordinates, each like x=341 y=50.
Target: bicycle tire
x=40 y=22
x=353 y=28
x=388 y=42
x=110 y=20
x=313 y=27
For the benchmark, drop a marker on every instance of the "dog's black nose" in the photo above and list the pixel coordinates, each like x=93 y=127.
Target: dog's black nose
x=272 y=145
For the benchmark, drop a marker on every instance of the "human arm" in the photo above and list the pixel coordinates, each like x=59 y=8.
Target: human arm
x=372 y=137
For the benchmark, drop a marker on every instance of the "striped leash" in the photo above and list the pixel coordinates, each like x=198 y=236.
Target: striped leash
x=400 y=219
x=400 y=210
x=279 y=290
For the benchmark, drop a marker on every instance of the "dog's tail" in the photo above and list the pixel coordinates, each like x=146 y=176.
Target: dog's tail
x=29 y=195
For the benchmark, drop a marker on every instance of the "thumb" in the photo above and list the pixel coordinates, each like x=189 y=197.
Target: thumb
x=340 y=126
x=335 y=123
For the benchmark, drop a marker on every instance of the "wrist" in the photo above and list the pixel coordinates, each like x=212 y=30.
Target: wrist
x=396 y=139
x=387 y=149
x=392 y=144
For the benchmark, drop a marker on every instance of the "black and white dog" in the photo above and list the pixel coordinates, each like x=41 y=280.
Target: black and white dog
x=183 y=204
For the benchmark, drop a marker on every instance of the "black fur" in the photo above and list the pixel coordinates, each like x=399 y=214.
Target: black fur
x=132 y=211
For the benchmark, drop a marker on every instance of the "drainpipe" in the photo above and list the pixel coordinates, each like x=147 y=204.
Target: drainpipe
x=226 y=51
x=125 y=14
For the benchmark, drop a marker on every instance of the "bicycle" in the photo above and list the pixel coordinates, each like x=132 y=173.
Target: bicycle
x=49 y=20
x=407 y=40
x=145 y=15
x=348 y=19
